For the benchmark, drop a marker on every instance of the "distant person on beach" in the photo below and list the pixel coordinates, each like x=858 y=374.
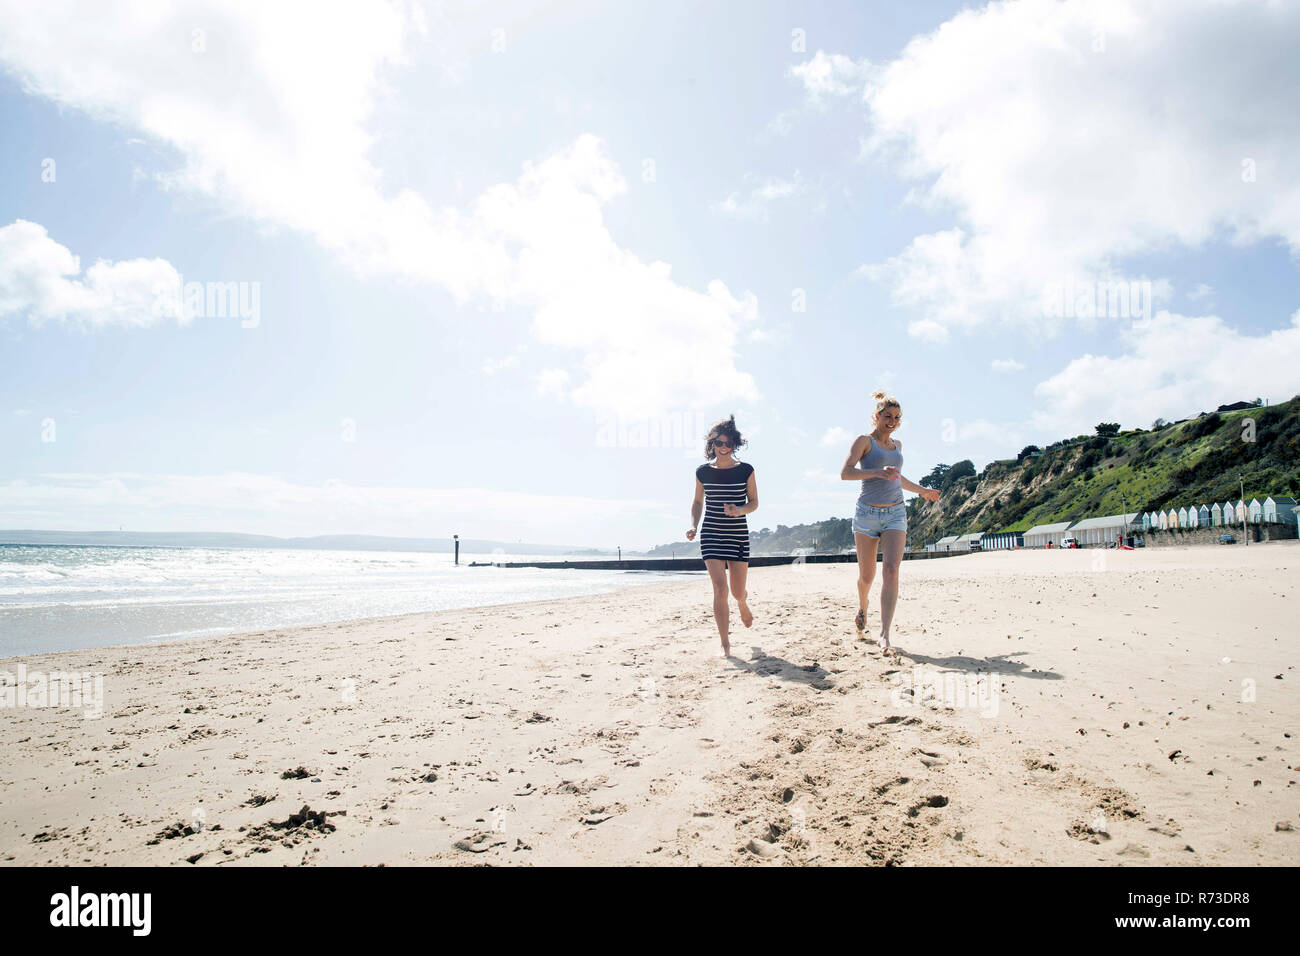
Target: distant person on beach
x=725 y=492
x=876 y=459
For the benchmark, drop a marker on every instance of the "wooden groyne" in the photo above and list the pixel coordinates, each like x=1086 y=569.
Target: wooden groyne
x=697 y=564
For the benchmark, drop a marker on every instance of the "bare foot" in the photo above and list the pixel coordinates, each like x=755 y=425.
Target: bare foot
x=726 y=650
x=885 y=647
x=861 y=622
x=746 y=618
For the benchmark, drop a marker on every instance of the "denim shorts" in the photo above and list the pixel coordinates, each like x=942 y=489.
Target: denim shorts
x=871 y=520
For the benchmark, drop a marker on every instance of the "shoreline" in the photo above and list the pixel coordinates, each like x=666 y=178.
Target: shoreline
x=160 y=608
x=600 y=729
x=350 y=622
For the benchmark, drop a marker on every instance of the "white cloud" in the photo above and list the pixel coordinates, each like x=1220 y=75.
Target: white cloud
x=552 y=381
x=42 y=280
x=828 y=75
x=1006 y=365
x=927 y=330
x=1058 y=161
x=270 y=120
x=1171 y=367
x=837 y=436
x=1174 y=366
x=756 y=205
x=264 y=504
x=491 y=366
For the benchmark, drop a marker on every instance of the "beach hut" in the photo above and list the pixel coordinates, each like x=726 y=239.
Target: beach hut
x=1278 y=509
x=1104 y=530
x=1203 y=516
x=1146 y=521
x=1239 y=512
x=1216 y=514
x=1041 y=535
x=1164 y=520
x=946 y=543
x=1002 y=541
x=931 y=546
x=1255 y=511
x=1193 y=517
x=970 y=542
x=1182 y=518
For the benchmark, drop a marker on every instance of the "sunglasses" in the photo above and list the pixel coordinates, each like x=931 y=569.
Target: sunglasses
x=722 y=443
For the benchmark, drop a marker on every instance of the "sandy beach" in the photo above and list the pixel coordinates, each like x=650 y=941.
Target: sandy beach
x=1064 y=707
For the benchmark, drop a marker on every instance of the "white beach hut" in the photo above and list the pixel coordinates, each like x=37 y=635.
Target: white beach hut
x=1255 y=511
x=1039 y=536
x=1103 y=530
x=946 y=543
x=1193 y=517
x=1146 y=520
x=1278 y=509
x=1216 y=514
x=1183 y=519
x=1164 y=520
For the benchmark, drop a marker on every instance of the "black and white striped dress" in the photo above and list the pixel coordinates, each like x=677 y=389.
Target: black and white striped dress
x=721 y=537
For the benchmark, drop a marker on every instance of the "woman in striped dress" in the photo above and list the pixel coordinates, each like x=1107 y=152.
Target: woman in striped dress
x=725 y=492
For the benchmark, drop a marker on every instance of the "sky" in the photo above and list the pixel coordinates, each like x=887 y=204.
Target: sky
x=494 y=269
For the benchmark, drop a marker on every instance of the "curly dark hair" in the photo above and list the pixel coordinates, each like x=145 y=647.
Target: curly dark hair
x=723 y=429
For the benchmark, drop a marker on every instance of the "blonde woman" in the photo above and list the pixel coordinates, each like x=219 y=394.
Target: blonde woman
x=728 y=487
x=876 y=459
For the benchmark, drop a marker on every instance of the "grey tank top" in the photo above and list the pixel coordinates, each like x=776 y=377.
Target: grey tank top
x=878 y=490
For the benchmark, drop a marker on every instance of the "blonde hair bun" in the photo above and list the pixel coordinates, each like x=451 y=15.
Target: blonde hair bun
x=884 y=400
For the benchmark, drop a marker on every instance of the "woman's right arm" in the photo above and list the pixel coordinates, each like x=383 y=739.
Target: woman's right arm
x=697 y=508
x=851 y=471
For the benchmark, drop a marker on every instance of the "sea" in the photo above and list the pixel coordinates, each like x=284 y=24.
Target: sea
x=59 y=598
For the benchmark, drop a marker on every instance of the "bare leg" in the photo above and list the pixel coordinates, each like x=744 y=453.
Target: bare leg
x=866 y=546
x=739 y=573
x=721 y=613
x=894 y=544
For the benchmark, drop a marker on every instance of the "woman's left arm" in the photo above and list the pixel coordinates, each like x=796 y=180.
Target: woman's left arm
x=929 y=494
